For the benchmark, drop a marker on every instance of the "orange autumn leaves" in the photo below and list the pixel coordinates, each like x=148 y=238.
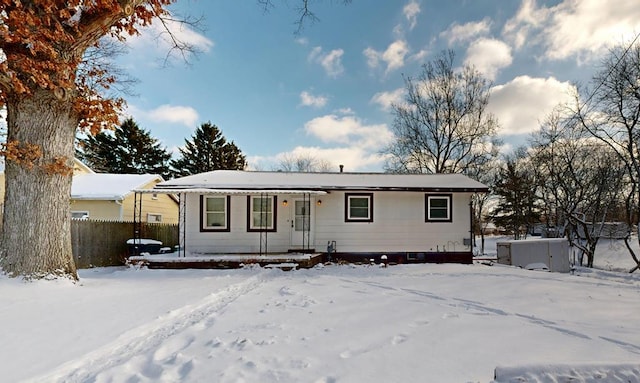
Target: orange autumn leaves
x=43 y=45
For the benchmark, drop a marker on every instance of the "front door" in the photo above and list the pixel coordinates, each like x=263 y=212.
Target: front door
x=301 y=224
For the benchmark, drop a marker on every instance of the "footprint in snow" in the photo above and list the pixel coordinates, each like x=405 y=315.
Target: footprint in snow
x=420 y=322
x=172 y=346
x=400 y=338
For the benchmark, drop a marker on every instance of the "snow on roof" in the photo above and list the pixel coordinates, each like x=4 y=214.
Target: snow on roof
x=102 y=186
x=250 y=180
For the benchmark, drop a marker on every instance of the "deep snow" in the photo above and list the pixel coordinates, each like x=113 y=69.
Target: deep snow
x=408 y=323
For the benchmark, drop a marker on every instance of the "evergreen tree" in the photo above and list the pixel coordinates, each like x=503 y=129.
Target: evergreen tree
x=206 y=151
x=128 y=150
x=515 y=185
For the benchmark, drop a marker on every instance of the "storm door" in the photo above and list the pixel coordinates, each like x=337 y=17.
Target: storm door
x=301 y=224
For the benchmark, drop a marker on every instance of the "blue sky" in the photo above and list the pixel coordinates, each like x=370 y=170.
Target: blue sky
x=326 y=92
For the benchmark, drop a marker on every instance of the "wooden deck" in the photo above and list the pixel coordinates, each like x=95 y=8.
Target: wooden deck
x=284 y=261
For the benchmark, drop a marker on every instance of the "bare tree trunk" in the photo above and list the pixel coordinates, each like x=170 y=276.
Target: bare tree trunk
x=36 y=236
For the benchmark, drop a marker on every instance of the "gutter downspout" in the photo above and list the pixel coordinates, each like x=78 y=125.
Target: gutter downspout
x=119 y=202
x=472 y=238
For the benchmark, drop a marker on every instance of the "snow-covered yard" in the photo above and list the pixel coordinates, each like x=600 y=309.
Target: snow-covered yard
x=408 y=323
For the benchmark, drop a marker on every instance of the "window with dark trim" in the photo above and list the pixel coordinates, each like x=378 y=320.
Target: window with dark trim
x=358 y=207
x=215 y=213
x=437 y=207
x=261 y=213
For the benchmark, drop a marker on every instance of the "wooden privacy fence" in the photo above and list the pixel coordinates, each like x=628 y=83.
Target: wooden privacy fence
x=104 y=243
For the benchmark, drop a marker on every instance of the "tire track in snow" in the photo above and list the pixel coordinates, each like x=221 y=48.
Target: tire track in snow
x=144 y=338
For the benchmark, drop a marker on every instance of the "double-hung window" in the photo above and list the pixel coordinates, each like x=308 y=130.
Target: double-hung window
x=215 y=213
x=438 y=208
x=261 y=213
x=358 y=207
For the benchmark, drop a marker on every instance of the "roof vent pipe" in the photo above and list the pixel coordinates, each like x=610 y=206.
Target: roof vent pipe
x=341 y=168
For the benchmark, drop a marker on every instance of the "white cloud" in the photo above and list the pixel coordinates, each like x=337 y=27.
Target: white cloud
x=331 y=61
x=345 y=140
x=580 y=28
x=174 y=114
x=373 y=57
x=393 y=56
x=185 y=115
x=411 y=12
x=308 y=99
x=348 y=130
x=159 y=36
x=489 y=56
x=420 y=55
x=352 y=157
x=528 y=17
x=387 y=99
x=466 y=32
x=523 y=103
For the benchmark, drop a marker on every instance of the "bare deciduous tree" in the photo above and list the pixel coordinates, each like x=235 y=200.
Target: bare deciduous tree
x=611 y=112
x=303 y=163
x=582 y=180
x=444 y=125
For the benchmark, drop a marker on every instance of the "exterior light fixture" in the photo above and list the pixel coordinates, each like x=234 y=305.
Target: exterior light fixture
x=319 y=202
x=285 y=202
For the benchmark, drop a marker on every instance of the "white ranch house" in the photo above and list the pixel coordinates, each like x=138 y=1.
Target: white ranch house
x=351 y=216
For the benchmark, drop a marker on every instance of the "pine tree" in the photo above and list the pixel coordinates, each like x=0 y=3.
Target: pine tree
x=128 y=150
x=206 y=151
x=516 y=187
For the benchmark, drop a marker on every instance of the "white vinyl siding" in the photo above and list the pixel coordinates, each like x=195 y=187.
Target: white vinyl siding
x=399 y=226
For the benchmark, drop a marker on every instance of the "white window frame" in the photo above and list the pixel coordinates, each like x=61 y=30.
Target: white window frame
x=149 y=215
x=448 y=208
x=271 y=223
x=204 y=212
x=85 y=214
x=352 y=196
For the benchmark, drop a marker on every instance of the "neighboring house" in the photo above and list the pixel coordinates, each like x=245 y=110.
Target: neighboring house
x=78 y=168
x=110 y=197
x=353 y=216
